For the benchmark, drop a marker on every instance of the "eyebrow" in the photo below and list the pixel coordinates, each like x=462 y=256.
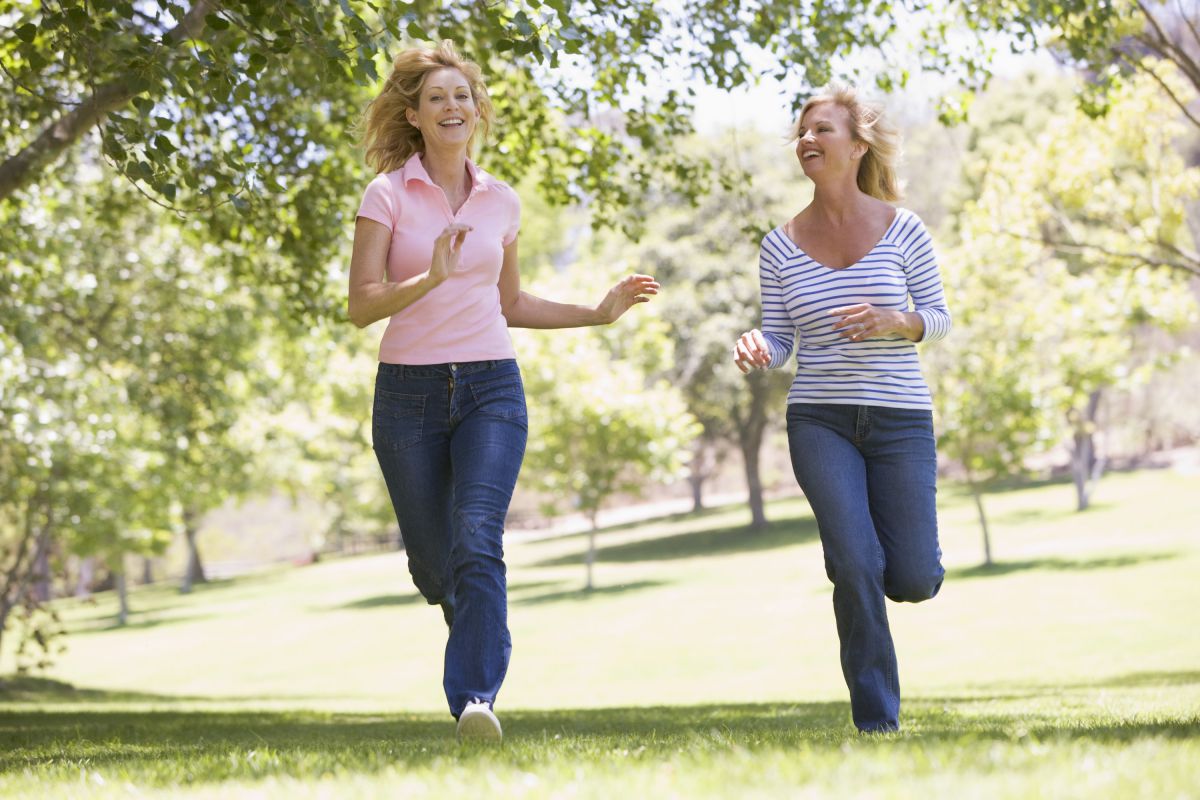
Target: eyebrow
x=817 y=122
x=442 y=88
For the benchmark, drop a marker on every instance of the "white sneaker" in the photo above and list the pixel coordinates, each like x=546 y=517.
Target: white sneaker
x=477 y=723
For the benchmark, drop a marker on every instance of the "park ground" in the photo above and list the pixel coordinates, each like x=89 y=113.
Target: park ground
x=704 y=664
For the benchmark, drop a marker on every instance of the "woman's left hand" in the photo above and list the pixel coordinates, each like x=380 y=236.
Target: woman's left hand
x=864 y=321
x=630 y=291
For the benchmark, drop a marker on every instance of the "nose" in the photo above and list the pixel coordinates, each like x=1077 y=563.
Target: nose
x=808 y=136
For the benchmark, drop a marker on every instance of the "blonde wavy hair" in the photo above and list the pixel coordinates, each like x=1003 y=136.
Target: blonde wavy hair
x=388 y=137
x=877 y=169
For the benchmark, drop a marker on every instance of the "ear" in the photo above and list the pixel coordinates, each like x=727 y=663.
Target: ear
x=860 y=149
x=411 y=116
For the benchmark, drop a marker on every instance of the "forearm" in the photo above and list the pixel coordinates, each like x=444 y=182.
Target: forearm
x=911 y=326
x=530 y=311
x=371 y=302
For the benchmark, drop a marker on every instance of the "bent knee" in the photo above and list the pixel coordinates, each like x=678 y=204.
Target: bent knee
x=913 y=588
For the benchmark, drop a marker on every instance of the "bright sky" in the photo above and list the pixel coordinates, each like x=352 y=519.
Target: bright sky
x=767 y=106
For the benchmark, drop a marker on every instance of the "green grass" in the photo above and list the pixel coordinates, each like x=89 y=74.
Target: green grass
x=704 y=665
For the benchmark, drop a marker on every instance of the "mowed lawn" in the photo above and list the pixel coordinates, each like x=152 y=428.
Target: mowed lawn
x=704 y=664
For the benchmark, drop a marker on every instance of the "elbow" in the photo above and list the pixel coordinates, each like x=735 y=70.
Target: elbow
x=508 y=307
x=355 y=312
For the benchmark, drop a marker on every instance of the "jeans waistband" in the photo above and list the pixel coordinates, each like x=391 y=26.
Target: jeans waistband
x=452 y=368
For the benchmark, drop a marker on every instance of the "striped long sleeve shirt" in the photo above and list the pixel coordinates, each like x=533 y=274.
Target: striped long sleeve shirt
x=798 y=293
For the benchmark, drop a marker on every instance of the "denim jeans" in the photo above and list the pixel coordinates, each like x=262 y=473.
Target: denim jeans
x=450 y=439
x=870 y=475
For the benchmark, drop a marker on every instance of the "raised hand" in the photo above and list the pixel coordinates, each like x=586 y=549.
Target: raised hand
x=630 y=291
x=447 y=251
x=751 y=351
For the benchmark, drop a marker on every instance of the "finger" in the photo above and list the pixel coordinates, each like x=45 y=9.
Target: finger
x=760 y=344
x=854 y=309
x=851 y=319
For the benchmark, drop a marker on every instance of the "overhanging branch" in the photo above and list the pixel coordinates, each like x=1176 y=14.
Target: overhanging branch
x=24 y=168
x=1189 y=266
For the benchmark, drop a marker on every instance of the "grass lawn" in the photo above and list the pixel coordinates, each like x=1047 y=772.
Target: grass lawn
x=705 y=664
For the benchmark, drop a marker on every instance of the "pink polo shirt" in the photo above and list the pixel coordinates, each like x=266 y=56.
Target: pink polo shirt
x=460 y=319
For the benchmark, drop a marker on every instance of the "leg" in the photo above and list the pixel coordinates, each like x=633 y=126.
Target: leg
x=412 y=444
x=487 y=448
x=902 y=483
x=832 y=472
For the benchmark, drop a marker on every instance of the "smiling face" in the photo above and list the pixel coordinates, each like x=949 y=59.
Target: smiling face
x=826 y=141
x=446 y=113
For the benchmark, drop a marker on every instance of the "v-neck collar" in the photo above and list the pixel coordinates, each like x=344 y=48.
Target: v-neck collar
x=792 y=244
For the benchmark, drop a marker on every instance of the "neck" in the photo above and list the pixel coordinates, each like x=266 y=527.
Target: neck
x=446 y=168
x=838 y=201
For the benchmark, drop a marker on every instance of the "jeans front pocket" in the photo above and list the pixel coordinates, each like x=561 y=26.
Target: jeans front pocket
x=502 y=397
x=398 y=420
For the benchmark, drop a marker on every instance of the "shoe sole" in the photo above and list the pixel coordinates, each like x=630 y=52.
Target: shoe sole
x=479 y=728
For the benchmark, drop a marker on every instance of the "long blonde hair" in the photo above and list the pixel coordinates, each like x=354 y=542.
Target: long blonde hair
x=877 y=168
x=388 y=136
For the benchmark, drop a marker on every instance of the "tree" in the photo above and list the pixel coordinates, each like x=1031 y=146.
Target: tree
x=240 y=111
x=132 y=361
x=1043 y=332
x=706 y=256
x=599 y=426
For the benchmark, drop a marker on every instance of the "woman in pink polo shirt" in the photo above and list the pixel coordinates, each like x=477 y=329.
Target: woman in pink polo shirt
x=435 y=252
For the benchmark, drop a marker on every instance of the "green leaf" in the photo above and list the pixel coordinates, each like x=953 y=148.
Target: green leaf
x=417 y=32
x=77 y=19
x=216 y=22
x=366 y=69
x=27 y=32
x=256 y=64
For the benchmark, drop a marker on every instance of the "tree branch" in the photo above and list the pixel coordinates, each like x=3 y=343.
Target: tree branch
x=24 y=168
x=1136 y=63
x=1190 y=267
x=1188 y=20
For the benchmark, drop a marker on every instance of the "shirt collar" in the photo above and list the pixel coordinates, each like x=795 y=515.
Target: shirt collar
x=414 y=170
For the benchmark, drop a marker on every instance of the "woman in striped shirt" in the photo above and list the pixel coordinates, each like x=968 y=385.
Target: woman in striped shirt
x=837 y=280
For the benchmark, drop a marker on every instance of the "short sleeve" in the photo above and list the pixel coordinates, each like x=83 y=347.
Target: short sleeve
x=379 y=202
x=514 y=221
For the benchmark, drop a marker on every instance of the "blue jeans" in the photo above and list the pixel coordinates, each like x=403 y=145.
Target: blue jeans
x=450 y=439
x=870 y=475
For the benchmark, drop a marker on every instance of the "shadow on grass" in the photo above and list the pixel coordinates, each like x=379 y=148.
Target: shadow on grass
x=711 y=542
x=587 y=594
x=165 y=747
x=108 y=624
x=415 y=598
x=1055 y=564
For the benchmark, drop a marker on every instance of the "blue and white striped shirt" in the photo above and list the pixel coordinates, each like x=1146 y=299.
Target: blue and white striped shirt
x=798 y=293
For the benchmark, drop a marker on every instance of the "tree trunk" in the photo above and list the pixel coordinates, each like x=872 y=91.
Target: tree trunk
x=194 y=573
x=590 y=559
x=41 y=575
x=750 y=428
x=122 y=597
x=1086 y=466
x=87 y=576
x=977 y=493
x=147 y=570
x=699 y=471
x=16 y=579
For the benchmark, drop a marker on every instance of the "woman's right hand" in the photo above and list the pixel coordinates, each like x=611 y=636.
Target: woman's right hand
x=447 y=251
x=751 y=351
